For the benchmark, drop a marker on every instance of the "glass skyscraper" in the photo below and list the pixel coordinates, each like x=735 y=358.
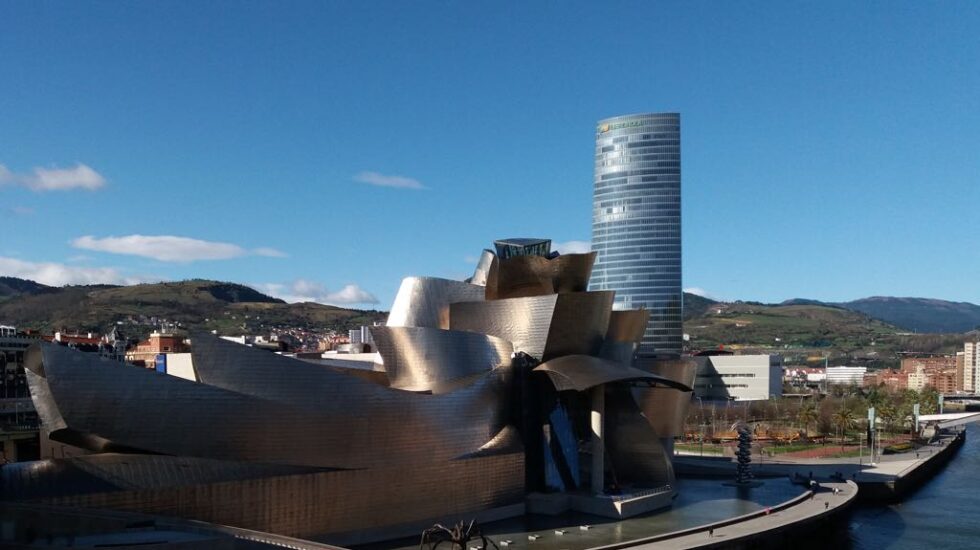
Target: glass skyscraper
x=636 y=222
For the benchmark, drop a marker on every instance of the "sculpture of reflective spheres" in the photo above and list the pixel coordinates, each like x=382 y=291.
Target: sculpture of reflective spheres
x=521 y=385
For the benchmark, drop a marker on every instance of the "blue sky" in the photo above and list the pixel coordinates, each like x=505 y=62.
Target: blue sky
x=326 y=150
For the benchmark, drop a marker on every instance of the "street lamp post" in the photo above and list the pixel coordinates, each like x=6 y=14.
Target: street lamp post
x=701 y=422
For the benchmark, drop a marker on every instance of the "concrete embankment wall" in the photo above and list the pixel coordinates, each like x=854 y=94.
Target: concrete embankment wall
x=913 y=478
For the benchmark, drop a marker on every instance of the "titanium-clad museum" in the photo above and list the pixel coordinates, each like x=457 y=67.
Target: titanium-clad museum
x=636 y=222
x=514 y=392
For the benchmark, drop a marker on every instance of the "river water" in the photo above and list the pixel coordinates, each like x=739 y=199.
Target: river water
x=943 y=513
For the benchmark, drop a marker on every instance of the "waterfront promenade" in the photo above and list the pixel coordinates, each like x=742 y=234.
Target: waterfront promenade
x=887 y=479
x=769 y=527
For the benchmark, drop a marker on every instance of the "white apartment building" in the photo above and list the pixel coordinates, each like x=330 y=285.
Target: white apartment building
x=971 y=362
x=739 y=377
x=850 y=376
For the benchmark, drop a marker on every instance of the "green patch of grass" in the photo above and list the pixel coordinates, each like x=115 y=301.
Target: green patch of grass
x=792 y=448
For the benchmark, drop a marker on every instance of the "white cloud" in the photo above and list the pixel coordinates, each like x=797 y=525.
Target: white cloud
x=55 y=274
x=269 y=252
x=303 y=290
x=471 y=259
x=381 y=180
x=573 y=247
x=21 y=210
x=697 y=291
x=169 y=248
x=55 y=179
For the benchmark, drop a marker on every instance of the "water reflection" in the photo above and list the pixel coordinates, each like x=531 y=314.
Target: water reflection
x=946 y=510
x=700 y=501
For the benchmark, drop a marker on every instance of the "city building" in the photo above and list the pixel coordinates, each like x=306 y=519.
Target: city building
x=944 y=381
x=928 y=363
x=810 y=377
x=960 y=364
x=846 y=376
x=971 y=366
x=936 y=371
x=636 y=222
x=917 y=379
x=509 y=248
x=522 y=395
x=361 y=340
x=145 y=353
x=724 y=377
x=18 y=421
x=890 y=378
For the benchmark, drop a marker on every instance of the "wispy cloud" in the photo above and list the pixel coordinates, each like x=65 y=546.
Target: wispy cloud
x=57 y=274
x=21 y=210
x=269 y=252
x=381 y=180
x=573 y=247
x=303 y=290
x=170 y=248
x=54 y=179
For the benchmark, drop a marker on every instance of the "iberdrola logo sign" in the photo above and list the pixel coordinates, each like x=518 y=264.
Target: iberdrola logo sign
x=603 y=128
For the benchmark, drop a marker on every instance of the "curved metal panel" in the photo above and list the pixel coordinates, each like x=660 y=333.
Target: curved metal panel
x=581 y=372
x=282 y=410
x=482 y=269
x=113 y=472
x=522 y=276
x=344 y=506
x=636 y=453
x=623 y=336
x=523 y=321
x=579 y=324
x=421 y=358
x=541 y=326
x=627 y=325
x=666 y=409
x=424 y=301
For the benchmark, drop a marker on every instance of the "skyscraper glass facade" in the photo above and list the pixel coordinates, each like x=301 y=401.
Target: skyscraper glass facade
x=636 y=221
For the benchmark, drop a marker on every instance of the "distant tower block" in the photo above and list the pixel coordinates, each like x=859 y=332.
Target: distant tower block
x=636 y=222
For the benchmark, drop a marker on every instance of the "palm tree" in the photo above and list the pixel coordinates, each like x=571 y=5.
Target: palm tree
x=844 y=420
x=806 y=415
x=888 y=413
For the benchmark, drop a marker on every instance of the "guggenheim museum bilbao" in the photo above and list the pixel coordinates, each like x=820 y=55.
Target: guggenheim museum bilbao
x=515 y=391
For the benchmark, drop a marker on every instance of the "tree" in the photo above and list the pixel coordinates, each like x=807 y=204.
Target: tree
x=888 y=414
x=876 y=397
x=806 y=415
x=843 y=420
x=929 y=398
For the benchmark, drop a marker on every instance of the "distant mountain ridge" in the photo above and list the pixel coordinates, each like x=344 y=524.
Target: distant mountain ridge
x=920 y=314
x=12 y=286
x=224 y=306
x=927 y=315
x=195 y=304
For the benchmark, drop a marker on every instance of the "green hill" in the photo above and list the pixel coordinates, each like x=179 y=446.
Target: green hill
x=12 y=286
x=802 y=329
x=194 y=305
x=695 y=306
x=801 y=326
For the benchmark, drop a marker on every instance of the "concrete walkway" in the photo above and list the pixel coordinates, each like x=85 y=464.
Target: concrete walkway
x=887 y=469
x=757 y=528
